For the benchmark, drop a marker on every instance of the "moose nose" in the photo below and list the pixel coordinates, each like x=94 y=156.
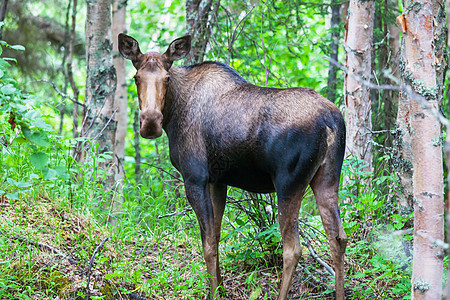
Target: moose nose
x=151 y=126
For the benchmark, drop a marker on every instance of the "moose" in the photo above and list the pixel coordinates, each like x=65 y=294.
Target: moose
x=224 y=131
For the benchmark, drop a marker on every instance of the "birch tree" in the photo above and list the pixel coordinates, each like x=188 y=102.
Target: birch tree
x=358 y=47
x=100 y=123
x=120 y=102
x=422 y=68
x=118 y=26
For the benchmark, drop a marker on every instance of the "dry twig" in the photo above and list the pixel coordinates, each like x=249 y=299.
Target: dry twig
x=91 y=262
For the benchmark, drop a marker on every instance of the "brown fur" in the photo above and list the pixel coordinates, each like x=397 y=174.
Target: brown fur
x=225 y=131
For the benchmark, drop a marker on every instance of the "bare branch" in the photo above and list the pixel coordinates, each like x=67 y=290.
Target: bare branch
x=71 y=260
x=178 y=213
x=91 y=263
x=400 y=87
x=314 y=254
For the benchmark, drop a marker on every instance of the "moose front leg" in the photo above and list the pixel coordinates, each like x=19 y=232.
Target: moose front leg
x=200 y=200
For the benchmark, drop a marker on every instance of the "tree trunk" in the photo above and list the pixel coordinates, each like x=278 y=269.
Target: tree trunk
x=118 y=26
x=76 y=91
x=2 y=15
x=197 y=15
x=334 y=50
x=137 y=148
x=403 y=160
x=100 y=123
x=447 y=157
x=420 y=70
x=402 y=138
x=358 y=46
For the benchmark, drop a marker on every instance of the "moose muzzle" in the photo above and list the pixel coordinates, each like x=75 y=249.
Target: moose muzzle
x=151 y=124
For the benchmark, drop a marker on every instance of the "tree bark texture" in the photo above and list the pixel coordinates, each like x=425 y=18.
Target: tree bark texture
x=197 y=25
x=121 y=104
x=403 y=159
x=334 y=49
x=2 y=15
x=421 y=69
x=447 y=158
x=118 y=26
x=100 y=123
x=358 y=112
x=76 y=91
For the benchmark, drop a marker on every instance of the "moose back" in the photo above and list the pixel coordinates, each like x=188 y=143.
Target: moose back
x=224 y=131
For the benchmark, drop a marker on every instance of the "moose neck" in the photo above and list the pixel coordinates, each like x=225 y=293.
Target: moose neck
x=193 y=86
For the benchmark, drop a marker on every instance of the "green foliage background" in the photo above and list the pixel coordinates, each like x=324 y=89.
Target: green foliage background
x=290 y=39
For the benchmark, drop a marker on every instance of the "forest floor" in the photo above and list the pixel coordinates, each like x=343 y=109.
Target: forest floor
x=55 y=251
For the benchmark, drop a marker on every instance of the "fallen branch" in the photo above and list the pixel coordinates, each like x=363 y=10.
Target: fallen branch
x=177 y=213
x=43 y=246
x=135 y=296
x=91 y=263
x=314 y=254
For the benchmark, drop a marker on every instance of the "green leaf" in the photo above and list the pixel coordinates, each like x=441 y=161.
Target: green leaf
x=13 y=182
x=33 y=115
x=50 y=174
x=39 y=160
x=40 y=138
x=8 y=89
x=23 y=184
x=12 y=196
x=42 y=125
x=62 y=172
x=18 y=47
x=26 y=132
x=240 y=222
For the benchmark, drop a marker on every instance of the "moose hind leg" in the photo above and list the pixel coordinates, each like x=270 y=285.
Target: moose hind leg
x=288 y=209
x=325 y=188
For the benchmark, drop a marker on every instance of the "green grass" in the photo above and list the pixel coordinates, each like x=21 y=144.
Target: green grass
x=64 y=204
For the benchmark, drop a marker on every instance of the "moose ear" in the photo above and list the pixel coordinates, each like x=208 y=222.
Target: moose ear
x=129 y=48
x=178 y=49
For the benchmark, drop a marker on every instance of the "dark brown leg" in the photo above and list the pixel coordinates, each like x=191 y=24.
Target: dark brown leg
x=218 y=194
x=288 y=209
x=325 y=188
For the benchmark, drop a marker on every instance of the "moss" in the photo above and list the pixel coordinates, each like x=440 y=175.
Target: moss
x=420 y=87
x=421 y=285
x=418 y=203
x=415 y=6
x=437 y=141
x=108 y=291
x=419 y=115
x=122 y=4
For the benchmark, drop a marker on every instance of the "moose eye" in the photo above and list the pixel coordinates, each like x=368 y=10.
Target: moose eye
x=136 y=80
x=168 y=79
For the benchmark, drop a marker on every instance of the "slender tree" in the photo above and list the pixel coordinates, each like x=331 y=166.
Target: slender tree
x=197 y=16
x=100 y=123
x=421 y=67
x=76 y=91
x=118 y=26
x=334 y=49
x=3 y=6
x=121 y=104
x=358 y=47
x=447 y=157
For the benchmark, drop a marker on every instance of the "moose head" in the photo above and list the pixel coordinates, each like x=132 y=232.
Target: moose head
x=152 y=78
